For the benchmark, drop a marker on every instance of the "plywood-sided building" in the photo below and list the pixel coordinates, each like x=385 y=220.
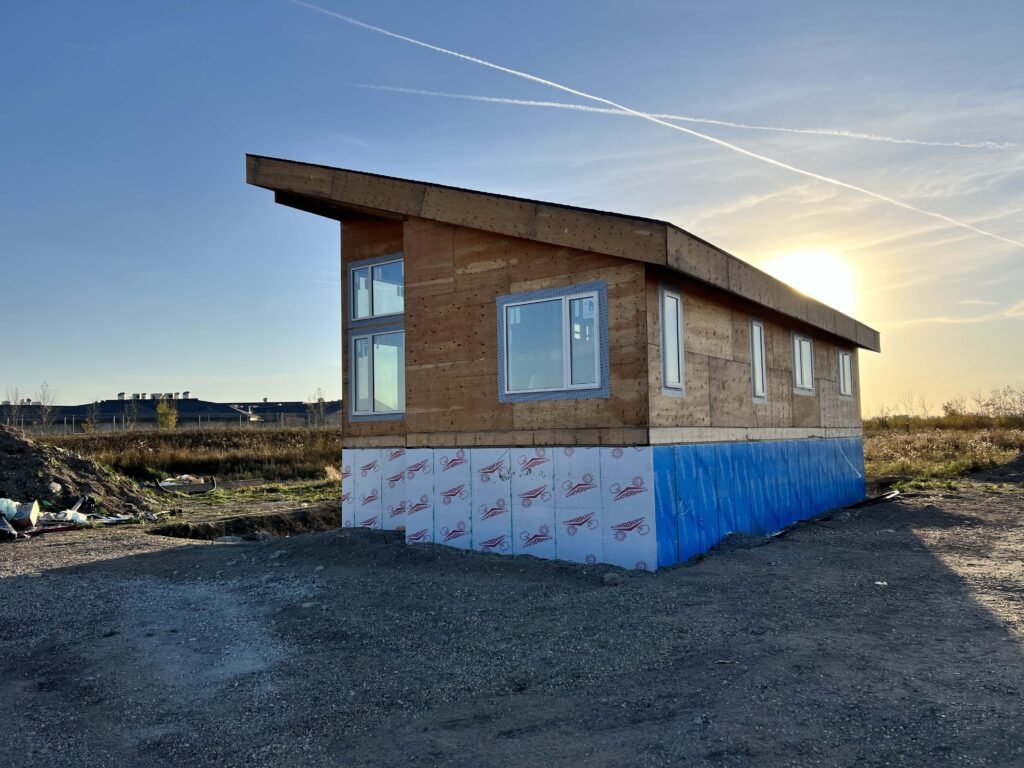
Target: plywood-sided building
x=526 y=377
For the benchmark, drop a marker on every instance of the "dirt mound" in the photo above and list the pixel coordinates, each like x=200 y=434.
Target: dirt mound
x=28 y=471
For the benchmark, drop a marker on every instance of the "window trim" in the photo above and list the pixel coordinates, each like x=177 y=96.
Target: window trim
x=762 y=397
x=369 y=264
x=672 y=390
x=796 y=386
x=371 y=415
x=839 y=357
x=596 y=290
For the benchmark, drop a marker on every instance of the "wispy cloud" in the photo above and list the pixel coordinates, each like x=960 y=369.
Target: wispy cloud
x=977 y=302
x=659 y=121
x=1011 y=312
x=831 y=132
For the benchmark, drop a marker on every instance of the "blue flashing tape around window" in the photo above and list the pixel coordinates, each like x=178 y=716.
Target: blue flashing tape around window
x=754 y=488
x=604 y=390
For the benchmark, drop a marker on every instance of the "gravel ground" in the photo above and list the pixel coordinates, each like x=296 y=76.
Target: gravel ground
x=888 y=636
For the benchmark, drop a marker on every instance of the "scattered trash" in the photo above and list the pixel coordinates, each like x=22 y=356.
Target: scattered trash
x=55 y=488
x=6 y=532
x=26 y=517
x=189 y=484
x=881 y=583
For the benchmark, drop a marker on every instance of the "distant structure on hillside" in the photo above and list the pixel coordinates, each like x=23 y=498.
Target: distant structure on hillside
x=138 y=410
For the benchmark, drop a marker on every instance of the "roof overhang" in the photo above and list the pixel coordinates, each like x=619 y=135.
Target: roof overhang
x=337 y=193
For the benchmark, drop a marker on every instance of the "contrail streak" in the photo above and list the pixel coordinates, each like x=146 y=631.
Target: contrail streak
x=658 y=121
x=834 y=132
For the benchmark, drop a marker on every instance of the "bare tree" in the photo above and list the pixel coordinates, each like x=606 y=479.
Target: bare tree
x=92 y=416
x=924 y=407
x=908 y=403
x=316 y=409
x=130 y=415
x=46 y=399
x=12 y=406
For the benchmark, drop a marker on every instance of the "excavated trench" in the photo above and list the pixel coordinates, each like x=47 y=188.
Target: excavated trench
x=248 y=526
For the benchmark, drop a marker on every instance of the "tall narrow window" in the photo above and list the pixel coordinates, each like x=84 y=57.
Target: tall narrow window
x=845 y=373
x=803 y=363
x=376 y=338
x=757 y=364
x=672 y=341
x=378 y=373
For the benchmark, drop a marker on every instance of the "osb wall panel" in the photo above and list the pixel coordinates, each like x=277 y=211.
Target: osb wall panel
x=718 y=372
x=453 y=275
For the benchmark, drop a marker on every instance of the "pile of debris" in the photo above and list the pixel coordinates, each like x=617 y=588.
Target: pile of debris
x=42 y=487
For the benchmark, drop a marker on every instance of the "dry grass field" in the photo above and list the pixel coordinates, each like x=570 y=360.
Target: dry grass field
x=273 y=453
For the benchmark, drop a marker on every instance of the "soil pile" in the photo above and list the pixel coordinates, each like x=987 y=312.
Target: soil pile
x=30 y=471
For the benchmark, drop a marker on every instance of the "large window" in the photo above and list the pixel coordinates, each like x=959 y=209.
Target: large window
x=758 y=369
x=803 y=363
x=377 y=290
x=376 y=332
x=845 y=373
x=552 y=345
x=672 y=377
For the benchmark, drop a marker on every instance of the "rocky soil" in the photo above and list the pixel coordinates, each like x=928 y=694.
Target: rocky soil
x=892 y=635
x=29 y=470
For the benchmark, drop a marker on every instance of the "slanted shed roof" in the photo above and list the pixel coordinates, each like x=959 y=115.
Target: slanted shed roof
x=337 y=193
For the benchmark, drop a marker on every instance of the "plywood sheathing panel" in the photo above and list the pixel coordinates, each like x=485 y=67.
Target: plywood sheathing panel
x=777 y=410
x=590 y=231
x=731 y=402
x=806 y=409
x=693 y=257
x=481 y=211
x=707 y=325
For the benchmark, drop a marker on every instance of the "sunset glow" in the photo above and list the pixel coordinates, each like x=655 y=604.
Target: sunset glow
x=819 y=274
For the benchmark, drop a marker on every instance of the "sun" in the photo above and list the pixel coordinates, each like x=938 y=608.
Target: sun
x=820 y=274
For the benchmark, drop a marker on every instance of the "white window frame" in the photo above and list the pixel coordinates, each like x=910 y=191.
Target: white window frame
x=370 y=334
x=677 y=389
x=759 y=397
x=797 y=386
x=369 y=266
x=566 y=343
x=845 y=382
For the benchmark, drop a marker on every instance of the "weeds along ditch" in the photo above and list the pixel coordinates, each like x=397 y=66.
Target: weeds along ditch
x=272 y=453
x=922 y=452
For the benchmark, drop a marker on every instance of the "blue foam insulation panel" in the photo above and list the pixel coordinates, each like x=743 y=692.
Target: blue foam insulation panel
x=705 y=492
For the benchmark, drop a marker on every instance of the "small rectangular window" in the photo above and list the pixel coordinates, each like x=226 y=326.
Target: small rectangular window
x=378 y=373
x=361 y=293
x=757 y=365
x=672 y=340
x=845 y=374
x=803 y=363
x=552 y=344
x=377 y=290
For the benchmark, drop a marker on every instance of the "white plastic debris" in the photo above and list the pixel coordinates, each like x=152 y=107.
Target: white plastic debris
x=70 y=516
x=8 y=508
x=26 y=517
x=55 y=488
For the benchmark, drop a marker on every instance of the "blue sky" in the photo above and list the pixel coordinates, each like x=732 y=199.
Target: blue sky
x=136 y=258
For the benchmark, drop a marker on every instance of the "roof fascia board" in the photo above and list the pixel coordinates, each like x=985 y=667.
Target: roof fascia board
x=639 y=239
